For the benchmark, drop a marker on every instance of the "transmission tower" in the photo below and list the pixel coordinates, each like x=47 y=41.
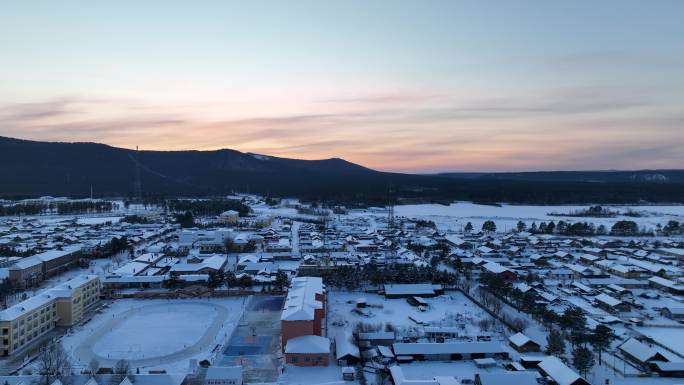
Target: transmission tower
x=137 y=184
x=390 y=210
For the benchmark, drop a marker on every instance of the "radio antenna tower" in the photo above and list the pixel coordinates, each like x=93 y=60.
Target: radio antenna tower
x=137 y=184
x=390 y=210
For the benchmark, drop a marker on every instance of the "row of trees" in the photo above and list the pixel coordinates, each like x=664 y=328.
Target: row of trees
x=591 y=212
x=355 y=277
x=619 y=228
x=137 y=219
x=207 y=207
x=68 y=207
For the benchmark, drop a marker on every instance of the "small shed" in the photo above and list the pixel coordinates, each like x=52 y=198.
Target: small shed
x=348 y=373
x=523 y=344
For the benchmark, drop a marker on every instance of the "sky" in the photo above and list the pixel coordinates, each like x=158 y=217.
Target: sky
x=411 y=86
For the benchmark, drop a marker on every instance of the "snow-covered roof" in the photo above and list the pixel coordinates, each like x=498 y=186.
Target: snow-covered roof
x=344 y=347
x=454 y=240
x=308 y=344
x=519 y=339
x=398 y=377
x=407 y=349
x=54 y=254
x=301 y=301
x=559 y=372
x=509 y=378
x=44 y=298
x=608 y=300
x=494 y=267
x=410 y=289
x=638 y=350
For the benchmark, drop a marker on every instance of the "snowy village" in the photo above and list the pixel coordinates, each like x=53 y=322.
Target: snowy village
x=281 y=291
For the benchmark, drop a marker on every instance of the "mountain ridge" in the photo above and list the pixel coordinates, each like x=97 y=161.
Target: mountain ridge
x=34 y=168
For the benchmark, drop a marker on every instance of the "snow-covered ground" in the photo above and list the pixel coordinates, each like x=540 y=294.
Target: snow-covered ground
x=314 y=375
x=182 y=325
x=97 y=220
x=452 y=309
x=456 y=215
x=155 y=334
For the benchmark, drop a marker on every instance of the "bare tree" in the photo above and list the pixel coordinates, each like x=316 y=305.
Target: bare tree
x=465 y=285
x=53 y=363
x=519 y=324
x=485 y=324
x=122 y=369
x=105 y=267
x=495 y=305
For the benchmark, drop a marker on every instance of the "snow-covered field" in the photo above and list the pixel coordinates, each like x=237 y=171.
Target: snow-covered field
x=155 y=334
x=164 y=328
x=452 y=309
x=97 y=220
x=456 y=215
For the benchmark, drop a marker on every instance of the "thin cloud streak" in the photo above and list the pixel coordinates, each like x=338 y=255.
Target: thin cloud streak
x=565 y=129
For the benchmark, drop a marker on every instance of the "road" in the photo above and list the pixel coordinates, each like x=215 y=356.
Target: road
x=294 y=239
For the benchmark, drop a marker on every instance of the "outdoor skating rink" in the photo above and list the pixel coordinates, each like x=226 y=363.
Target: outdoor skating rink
x=155 y=333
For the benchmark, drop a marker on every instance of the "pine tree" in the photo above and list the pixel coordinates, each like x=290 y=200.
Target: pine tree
x=582 y=359
x=555 y=344
x=601 y=339
x=521 y=226
x=550 y=227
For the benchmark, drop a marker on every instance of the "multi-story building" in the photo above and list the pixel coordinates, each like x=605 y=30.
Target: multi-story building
x=64 y=305
x=75 y=297
x=303 y=315
x=34 y=269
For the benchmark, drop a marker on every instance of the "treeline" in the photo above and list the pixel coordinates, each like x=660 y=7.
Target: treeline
x=207 y=207
x=63 y=208
x=619 y=228
x=137 y=219
x=598 y=212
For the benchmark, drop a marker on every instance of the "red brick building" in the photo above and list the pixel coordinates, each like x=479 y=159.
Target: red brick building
x=303 y=315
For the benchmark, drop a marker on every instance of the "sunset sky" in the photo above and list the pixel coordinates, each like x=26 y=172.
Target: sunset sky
x=415 y=86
